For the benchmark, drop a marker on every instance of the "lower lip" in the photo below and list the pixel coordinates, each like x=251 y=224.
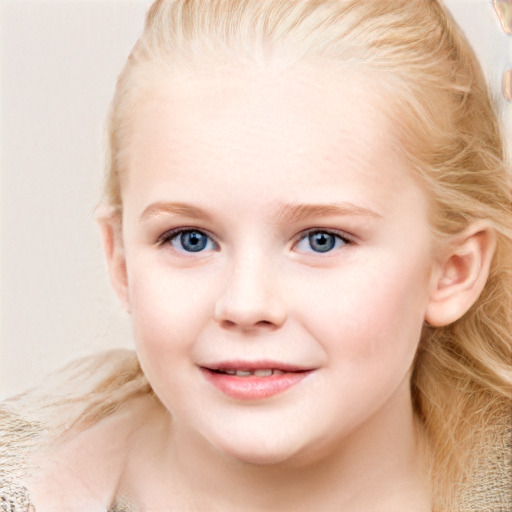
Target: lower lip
x=252 y=387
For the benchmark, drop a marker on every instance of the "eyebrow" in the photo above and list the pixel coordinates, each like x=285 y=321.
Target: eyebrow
x=299 y=212
x=183 y=209
x=287 y=214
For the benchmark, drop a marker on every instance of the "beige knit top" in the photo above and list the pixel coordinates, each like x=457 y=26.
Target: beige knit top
x=98 y=385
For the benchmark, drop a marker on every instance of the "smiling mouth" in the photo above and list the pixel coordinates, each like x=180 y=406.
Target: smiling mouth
x=254 y=369
x=254 y=383
x=251 y=373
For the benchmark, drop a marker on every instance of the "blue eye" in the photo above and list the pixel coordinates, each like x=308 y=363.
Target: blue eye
x=190 y=240
x=320 y=242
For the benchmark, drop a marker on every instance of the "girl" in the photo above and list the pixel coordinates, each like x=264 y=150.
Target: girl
x=307 y=216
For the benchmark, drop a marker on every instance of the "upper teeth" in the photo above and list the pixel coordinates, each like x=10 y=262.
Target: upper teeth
x=256 y=373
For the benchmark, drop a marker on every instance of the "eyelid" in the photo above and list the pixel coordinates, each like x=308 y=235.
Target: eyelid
x=346 y=237
x=168 y=235
x=343 y=242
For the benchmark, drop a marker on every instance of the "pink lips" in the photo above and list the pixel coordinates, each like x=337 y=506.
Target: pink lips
x=253 y=387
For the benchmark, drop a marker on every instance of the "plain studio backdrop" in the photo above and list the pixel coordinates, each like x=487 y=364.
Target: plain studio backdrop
x=59 y=63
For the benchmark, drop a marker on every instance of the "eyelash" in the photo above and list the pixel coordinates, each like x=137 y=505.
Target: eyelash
x=342 y=237
x=169 y=236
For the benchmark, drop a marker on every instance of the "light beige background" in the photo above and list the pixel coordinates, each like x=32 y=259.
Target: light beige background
x=59 y=61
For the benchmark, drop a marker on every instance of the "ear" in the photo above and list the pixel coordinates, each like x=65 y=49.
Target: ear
x=110 y=225
x=460 y=274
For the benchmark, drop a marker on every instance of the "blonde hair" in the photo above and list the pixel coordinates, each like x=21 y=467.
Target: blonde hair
x=450 y=133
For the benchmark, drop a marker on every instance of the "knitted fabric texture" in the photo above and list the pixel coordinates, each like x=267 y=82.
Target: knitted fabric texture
x=17 y=438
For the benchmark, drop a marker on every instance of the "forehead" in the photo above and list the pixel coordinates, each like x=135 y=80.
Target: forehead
x=261 y=125
x=263 y=99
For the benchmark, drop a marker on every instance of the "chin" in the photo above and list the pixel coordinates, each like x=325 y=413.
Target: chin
x=258 y=457
x=260 y=452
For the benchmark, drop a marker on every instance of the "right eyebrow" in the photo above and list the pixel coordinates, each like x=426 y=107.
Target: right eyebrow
x=298 y=212
x=183 y=209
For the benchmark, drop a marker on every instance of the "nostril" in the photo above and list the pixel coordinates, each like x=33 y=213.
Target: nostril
x=265 y=323
x=247 y=326
x=227 y=324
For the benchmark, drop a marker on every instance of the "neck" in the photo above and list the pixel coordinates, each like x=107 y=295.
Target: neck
x=378 y=467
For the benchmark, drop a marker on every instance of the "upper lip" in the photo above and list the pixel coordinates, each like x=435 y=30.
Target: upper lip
x=255 y=365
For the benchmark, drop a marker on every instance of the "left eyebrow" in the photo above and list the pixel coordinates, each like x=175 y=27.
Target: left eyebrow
x=298 y=212
x=182 y=209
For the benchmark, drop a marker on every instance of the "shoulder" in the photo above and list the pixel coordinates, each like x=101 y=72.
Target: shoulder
x=489 y=487
x=69 y=435
x=81 y=472
x=18 y=437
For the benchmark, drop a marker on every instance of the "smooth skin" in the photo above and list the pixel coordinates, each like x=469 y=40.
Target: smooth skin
x=269 y=214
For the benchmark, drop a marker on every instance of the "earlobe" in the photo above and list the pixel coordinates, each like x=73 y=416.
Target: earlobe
x=111 y=233
x=461 y=274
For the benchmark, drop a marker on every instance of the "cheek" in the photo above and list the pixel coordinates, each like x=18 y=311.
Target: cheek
x=168 y=310
x=369 y=328
x=370 y=313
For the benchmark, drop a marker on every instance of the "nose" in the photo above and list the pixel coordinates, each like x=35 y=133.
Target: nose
x=250 y=299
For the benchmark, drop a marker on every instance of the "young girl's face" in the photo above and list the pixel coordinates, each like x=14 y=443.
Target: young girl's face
x=278 y=259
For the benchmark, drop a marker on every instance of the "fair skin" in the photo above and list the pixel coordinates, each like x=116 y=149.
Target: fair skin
x=270 y=221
